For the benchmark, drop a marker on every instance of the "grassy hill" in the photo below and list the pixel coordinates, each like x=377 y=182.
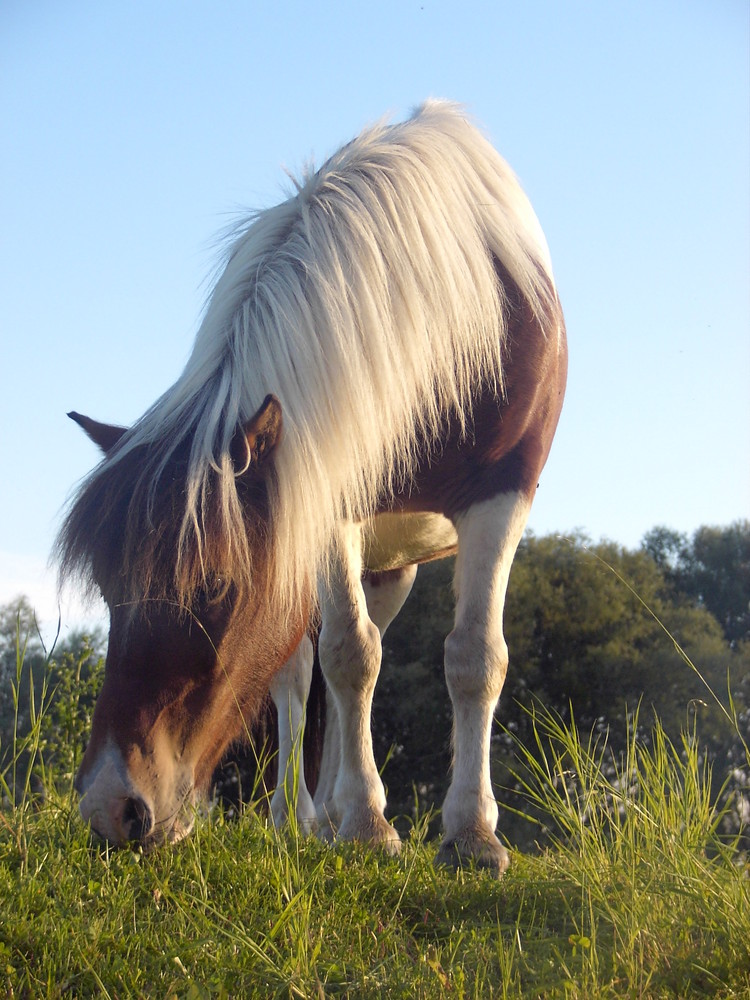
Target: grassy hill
x=640 y=897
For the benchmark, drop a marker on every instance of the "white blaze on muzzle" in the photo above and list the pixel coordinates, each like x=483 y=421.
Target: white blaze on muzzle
x=120 y=810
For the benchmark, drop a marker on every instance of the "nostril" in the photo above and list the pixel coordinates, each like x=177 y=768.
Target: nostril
x=137 y=820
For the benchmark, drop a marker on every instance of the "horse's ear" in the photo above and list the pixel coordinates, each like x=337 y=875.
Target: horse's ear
x=255 y=440
x=105 y=436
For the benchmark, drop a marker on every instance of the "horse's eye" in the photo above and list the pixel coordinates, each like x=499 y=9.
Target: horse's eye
x=211 y=598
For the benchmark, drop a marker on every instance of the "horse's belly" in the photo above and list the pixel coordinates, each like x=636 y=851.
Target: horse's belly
x=392 y=541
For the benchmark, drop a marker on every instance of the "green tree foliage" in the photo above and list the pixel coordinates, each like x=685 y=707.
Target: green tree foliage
x=712 y=569
x=580 y=636
x=17 y=624
x=71 y=673
x=22 y=658
x=76 y=675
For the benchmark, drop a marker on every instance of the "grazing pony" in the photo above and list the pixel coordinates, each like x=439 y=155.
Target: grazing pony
x=375 y=383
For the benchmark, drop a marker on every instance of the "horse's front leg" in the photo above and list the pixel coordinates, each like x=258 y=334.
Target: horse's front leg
x=385 y=594
x=289 y=690
x=476 y=661
x=350 y=655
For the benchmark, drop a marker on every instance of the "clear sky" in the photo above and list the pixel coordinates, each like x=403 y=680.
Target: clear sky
x=131 y=132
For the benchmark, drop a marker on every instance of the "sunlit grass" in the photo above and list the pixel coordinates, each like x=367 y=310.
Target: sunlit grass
x=638 y=896
x=664 y=901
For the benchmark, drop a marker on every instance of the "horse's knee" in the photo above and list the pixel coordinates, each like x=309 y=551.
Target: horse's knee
x=475 y=665
x=350 y=657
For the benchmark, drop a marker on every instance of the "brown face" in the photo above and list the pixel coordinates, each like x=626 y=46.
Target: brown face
x=178 y=689
x=180 y=684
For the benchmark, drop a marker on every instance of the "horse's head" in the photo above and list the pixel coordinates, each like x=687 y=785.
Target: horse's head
x=183 y=676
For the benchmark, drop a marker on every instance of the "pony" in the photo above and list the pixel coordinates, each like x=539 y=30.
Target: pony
x=375 y=382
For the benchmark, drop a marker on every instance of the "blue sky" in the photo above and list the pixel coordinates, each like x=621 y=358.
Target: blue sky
x=131 y=133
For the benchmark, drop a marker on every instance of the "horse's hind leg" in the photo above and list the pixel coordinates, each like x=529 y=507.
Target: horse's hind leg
x=350 y=654
x=476 y=661
x=289 y=690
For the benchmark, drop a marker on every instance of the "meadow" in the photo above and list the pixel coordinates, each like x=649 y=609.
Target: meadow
x=639 y=894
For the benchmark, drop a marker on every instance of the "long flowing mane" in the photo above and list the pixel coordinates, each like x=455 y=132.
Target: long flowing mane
x=369 y=303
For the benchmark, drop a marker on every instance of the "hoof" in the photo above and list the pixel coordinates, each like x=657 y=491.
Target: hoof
x=373 y=831
x=325 y=832
x=306 y=823
x=474 y=846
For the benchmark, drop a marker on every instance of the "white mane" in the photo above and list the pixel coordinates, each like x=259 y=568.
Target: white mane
x=369 y=304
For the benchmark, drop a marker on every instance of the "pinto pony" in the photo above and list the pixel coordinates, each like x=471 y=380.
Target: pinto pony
x=375 y=383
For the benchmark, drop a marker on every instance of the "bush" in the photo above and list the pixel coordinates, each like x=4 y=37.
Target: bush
x=76 y=677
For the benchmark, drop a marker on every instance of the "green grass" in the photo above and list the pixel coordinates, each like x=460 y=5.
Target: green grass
x=637 y=897
x=238 y=911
